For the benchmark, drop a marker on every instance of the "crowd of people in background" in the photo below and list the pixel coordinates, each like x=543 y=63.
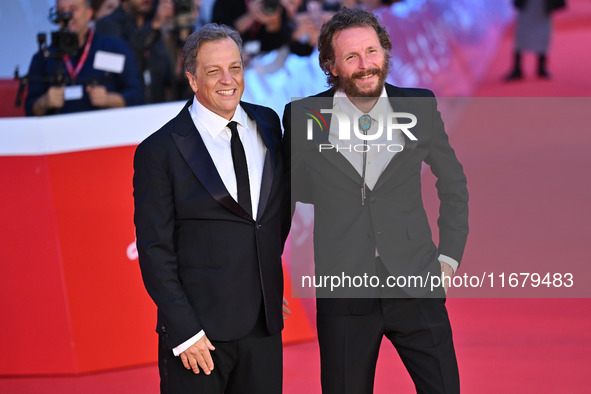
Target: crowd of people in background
x=154 y=32
x=81 y=70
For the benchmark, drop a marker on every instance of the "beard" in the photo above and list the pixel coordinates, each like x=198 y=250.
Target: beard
x=350 y=88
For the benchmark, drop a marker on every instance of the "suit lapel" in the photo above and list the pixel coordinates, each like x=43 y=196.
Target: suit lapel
x=399 y=104
x=324 y=100
x=189 y=142
x=336 y=158
x=264 y=130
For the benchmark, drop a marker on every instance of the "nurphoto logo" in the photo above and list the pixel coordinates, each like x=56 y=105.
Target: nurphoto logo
x=386 y=123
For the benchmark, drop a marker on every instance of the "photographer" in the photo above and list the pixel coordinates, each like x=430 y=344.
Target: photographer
x=307 y=17
x=84 y=70
x=132 y=22
x=262 y=24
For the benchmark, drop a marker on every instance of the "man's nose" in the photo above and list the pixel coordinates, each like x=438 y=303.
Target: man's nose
x=363 y=62
x=226 y=76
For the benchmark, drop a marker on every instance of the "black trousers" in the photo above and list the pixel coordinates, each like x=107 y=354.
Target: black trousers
x=420 y=331
x=253 y=364
x=418 y=328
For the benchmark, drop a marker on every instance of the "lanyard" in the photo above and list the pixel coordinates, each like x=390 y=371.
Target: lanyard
x=74 y=72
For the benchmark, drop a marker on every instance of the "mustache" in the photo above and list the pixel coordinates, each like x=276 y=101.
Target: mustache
x=365 y=73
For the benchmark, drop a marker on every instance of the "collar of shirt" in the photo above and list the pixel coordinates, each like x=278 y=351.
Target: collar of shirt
x=217 y=139
x=210 y=122
x=343 y=104
x=376 y=159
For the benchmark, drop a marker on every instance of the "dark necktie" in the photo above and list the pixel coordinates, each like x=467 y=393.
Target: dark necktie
x=240 y=168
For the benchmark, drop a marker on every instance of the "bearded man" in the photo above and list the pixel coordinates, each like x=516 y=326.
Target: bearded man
x=360 y=165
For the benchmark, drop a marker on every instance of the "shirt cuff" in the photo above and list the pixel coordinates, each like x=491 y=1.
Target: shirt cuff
x=188 y=343
x=452 y=262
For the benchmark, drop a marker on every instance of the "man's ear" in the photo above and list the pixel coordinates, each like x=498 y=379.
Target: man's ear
x=192 y=81
x=333 y=70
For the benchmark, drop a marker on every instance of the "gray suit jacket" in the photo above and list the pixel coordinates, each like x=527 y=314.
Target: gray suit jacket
x=393 y=219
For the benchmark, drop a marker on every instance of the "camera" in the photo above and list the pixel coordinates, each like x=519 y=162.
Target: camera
x=184 y=20
x=184 y=15
x=63 y=39
x=183 y=7
x=270 y=6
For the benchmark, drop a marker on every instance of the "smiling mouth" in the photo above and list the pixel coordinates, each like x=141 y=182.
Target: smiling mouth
x=367 y=74
x=229 y=92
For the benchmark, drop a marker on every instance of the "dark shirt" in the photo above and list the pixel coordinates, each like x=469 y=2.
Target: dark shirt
x=148 y=47
x=42 y=71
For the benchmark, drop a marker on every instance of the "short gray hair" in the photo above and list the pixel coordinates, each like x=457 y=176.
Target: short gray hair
x=208 y=33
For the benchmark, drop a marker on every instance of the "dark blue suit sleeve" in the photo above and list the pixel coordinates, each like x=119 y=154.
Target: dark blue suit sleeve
x=154 y=223
x=37 y=86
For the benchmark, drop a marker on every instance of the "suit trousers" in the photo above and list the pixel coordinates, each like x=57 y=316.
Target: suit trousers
x=419 y=329
x=253 y=364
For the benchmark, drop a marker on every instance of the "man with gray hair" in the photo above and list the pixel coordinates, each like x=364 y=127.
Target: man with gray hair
x=211 y=220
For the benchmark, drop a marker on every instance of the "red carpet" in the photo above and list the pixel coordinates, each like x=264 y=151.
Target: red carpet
x=503 y=345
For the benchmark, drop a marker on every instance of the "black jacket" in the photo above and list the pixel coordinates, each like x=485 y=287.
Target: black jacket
x=205 y=262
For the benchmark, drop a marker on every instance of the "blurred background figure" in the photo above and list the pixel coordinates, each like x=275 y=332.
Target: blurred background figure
x=205 y=12
x=188 y=17
x=534 y=28
x=140 y=24
x=371 y=5
x=103 y=8
x=262 y=24
x=71 y=76
x=306 y=18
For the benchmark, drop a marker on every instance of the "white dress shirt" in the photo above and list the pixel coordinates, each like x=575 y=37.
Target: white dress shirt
x=377 y=159
x=216 y=137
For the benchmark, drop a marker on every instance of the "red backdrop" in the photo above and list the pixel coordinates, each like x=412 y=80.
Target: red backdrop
x=72 y=296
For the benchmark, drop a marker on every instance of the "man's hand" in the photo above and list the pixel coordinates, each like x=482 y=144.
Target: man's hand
x=164 y=11
x=101 y=98
x=55 y=97
x=272 y=20
x=198 y=356
x=447 y=272
x=97 y=95
x=285 y=310
x=254 y=9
